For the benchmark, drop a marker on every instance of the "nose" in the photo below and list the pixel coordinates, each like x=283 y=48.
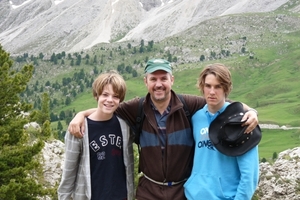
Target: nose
x=158 y=83
x=109 y=98
x=212 y=90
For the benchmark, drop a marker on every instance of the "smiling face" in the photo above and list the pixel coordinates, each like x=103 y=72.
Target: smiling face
x=159 y=85
x=109 y=90
x=108 y=101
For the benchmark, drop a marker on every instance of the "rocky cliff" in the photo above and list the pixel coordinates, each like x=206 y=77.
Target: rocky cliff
x=281 y=180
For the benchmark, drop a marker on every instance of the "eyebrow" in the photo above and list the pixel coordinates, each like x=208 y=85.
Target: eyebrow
x=207 y=84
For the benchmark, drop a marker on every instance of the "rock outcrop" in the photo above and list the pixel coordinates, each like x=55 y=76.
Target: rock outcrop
x=52 y=161
x=280 y=180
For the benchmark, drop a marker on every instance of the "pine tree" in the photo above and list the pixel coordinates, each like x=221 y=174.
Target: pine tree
x=18 y=166
x=44 y=114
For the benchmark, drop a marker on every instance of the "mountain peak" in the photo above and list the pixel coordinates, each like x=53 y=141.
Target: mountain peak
x=48 y=26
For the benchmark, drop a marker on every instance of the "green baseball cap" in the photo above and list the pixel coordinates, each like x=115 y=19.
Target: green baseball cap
x=158 y=64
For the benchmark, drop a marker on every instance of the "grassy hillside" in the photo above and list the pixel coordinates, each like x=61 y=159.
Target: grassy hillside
x=277 y=141
x=273 y=88
x=261 y=49
x=263 y=56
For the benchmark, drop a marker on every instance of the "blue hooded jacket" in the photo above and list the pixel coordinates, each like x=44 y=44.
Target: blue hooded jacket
x=216 y=176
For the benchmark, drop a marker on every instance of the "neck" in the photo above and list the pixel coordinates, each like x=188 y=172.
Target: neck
x=100 y=116
x=161 y=105
x=215 y=108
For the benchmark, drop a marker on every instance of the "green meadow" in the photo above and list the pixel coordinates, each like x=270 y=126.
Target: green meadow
x=273 y=88
x=265 y=75
x=277 y=141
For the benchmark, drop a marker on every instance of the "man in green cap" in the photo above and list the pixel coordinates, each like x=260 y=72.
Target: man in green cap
x=166 y=141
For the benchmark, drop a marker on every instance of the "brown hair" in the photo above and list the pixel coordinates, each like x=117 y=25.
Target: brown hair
x=112 y=77
x=222 y=74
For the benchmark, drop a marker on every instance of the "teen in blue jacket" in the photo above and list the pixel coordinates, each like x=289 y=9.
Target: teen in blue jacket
x=216 y=176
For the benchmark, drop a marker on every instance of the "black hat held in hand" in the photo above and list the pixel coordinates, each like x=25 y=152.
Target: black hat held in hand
x=227 y=134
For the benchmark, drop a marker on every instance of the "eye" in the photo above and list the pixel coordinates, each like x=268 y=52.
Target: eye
x=164 y=78
x=152 y=79
x=207 y=86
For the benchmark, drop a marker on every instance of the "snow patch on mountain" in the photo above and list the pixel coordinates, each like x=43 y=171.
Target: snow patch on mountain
x=18 y=6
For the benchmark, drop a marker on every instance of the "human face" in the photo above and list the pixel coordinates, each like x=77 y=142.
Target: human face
x=108 y=101
x=159 y=85
x=214 y=93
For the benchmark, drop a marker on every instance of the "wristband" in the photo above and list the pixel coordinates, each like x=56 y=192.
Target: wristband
x=252 y=109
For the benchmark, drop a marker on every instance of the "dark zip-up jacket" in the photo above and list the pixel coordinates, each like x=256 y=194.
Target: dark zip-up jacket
x=176 y=162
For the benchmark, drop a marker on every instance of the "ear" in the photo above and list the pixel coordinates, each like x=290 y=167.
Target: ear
x=172 y=79
x=145 y=80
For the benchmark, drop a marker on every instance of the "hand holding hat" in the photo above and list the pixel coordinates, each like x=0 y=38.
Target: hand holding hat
x=227 y=134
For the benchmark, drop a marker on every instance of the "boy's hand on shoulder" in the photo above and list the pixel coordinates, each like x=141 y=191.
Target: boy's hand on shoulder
x=252 y=120
x=76 y=126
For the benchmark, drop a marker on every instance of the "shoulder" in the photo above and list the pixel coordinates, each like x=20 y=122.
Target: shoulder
x=189 y=98
x=193 y=102
x=129 y=104
x=199 y=113
x=122 y=122
x=126 y=108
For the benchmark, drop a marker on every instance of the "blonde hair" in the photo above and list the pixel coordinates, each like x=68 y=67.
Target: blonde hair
x=222 y=74
x=112 y=77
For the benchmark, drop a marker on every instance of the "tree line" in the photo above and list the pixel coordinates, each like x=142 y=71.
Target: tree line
x=21 y=174
x=63 y=92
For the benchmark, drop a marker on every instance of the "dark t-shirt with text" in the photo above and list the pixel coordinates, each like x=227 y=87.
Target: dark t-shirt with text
x=108 y=176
